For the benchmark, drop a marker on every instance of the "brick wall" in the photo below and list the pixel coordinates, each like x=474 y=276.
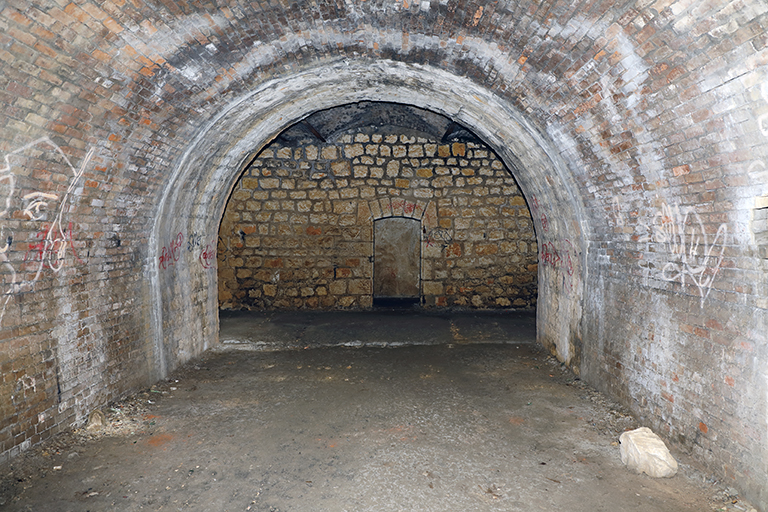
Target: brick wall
x=298 y=228
x=636 y=130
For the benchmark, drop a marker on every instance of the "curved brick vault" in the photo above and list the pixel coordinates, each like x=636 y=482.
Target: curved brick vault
x=213 y=162
x=636 y=130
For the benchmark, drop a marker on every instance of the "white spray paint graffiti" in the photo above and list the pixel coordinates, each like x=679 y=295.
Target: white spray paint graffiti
x=695 y=255
x=54 y=240
x=617 y=215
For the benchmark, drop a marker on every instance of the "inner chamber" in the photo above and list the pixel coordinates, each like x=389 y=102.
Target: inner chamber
x=376 y=204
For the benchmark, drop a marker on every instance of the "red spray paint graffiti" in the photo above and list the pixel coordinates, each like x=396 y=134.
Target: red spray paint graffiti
x=170 y=256
x=536 y=212
x=51 y=252
x=171 y=253
x=208 y=257
x=561 y=257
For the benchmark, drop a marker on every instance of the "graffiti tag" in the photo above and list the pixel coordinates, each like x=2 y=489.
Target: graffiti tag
x=535 y=211
x=695 y=256
x=439 y=236
x=208 y=256
x=170 y=253
x=49 y=251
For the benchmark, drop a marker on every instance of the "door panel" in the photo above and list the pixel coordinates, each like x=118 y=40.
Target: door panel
x=397 y=254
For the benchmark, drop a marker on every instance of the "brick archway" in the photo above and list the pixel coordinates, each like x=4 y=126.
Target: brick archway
x=214 y=160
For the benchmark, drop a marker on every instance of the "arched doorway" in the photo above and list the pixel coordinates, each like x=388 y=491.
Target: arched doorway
x=307 y=225
x=216 y=158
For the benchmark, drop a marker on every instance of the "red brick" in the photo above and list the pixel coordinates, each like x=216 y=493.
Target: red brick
x=702 y=333
x=76 y=12
x=22 y=36
x=17 y=17
x=112 y=25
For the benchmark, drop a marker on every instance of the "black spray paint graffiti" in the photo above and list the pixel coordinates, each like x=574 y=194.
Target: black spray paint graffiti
x=52 y=242
x=194 y=241
x=438 y=236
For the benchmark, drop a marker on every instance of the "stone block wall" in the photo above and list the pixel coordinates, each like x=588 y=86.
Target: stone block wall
x=298 y=229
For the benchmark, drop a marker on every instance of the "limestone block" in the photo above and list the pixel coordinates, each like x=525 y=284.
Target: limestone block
x=341 y=168
x=338 y=287
x=644 y=452
x=416 y=150
x=360 y=287
x=432 y=288
x=329 y=153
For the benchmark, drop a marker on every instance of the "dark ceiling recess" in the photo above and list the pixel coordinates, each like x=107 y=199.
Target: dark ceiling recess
x=327 y=125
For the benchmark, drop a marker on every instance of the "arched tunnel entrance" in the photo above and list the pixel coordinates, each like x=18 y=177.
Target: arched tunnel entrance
x=394 y=203
x=377 y=205
x=459 y=425
x=323 y=230
x=217 y=158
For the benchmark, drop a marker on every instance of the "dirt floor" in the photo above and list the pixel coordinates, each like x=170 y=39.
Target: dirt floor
x=451 y=427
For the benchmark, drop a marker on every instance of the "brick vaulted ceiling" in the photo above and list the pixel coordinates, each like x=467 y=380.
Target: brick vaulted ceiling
x=637 y=131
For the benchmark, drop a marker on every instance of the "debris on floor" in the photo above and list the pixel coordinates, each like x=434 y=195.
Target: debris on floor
x=645 y=452
x=459 y=427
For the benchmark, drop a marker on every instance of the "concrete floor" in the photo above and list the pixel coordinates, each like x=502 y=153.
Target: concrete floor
x=449 y=427
x=378 y=328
